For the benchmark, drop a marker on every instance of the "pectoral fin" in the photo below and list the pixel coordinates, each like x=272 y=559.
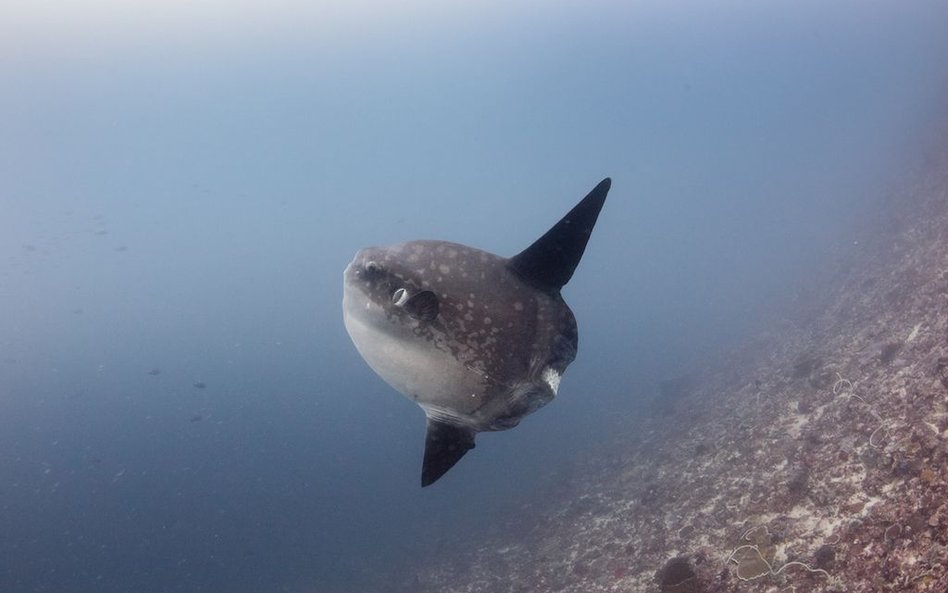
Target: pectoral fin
x=421 y=305
x=445 y=444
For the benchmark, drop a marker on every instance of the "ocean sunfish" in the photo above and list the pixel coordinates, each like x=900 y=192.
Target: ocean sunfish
x=477 y=340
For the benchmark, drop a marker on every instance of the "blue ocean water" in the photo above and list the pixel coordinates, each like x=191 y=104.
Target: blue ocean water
x=183 y=185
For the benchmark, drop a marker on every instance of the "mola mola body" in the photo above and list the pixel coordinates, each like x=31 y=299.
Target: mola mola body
x=477 y=340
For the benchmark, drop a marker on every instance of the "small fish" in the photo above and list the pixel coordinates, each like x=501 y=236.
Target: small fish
x=155 y=371
x=197 y=418
x=200 y=385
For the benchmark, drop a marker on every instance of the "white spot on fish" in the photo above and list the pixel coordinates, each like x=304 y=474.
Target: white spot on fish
x=551 y=378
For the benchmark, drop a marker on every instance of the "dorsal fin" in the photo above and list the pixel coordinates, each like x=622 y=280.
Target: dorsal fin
x=445 y=445
x=549 y=263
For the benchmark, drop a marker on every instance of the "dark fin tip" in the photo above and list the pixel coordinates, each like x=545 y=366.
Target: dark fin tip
x=445 y=445
x=550 y=261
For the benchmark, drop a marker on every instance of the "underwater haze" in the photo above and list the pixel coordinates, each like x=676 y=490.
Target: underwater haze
x=182 y=185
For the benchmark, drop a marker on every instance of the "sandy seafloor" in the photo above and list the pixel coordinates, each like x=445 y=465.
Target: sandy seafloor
x=813 y=458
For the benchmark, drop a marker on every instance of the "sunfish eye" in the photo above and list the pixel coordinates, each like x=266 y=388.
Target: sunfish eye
x=372 y=269
x=400 y=297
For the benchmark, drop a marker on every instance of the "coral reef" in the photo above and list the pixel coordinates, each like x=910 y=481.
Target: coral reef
x=815 y=459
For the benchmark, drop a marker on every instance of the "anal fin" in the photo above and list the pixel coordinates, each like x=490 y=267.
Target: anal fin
x=445 y=445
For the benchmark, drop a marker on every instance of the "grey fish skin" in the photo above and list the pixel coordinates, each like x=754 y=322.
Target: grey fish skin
x=477 y=340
